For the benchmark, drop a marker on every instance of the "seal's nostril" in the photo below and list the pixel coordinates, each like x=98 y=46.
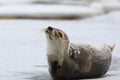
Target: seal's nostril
x=50 y=28
x=46 y=31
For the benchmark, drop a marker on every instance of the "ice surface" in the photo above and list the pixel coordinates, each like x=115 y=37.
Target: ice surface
x=48 y=11
x=25 y=9
x=83 y=2
x=107 y=6
x=14 y=1
x=23 y=46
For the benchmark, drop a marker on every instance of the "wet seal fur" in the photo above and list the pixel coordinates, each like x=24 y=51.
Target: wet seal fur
x=75 y=61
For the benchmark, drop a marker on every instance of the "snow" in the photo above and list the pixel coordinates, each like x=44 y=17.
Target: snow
x=107 y=6
x=81 y=2
x=14 y=1
x=59 y=10
x=48 y=11
x=56 y=11
x=42 y=11
x=23 y=45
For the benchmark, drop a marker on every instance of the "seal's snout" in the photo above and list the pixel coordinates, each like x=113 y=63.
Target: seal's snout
x=49 y=32
x=50 y=28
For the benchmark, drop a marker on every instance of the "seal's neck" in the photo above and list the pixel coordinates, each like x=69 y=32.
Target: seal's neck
x=56 y=51
x=58 y=46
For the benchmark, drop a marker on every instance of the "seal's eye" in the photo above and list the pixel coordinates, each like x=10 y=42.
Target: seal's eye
x=60 y=34
x=50 y=28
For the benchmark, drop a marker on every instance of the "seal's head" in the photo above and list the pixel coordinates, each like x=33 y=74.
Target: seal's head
x=55 y=37
x=57 y=44
x=54 y=34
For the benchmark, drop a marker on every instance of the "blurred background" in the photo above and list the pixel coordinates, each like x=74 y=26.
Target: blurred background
x=23 y=42
x=56 y=9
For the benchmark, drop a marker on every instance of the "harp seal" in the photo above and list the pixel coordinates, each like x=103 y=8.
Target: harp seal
x=75 y=61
